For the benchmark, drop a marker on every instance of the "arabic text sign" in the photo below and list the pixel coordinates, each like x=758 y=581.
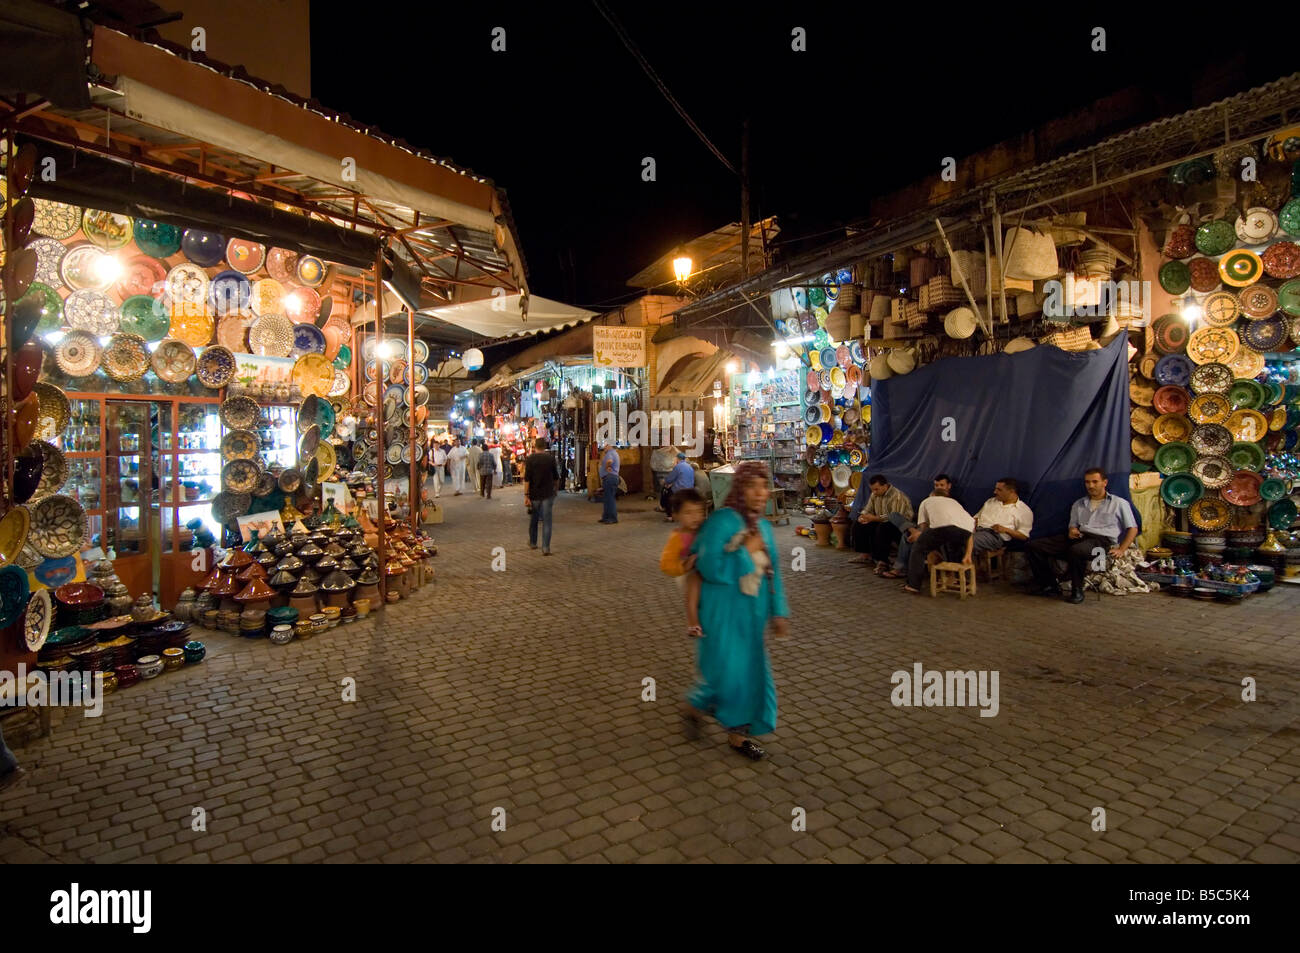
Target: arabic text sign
x=618 y=347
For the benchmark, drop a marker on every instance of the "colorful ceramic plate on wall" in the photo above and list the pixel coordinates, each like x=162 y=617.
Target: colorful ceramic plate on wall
x=1282 y=514
x=1248 y=394
x=215 y=367
x=15 y=592
x=56 y=220
x=310 y=271
x=145 y=316
x=58 y=526
x=313 y=375
x=1204 y=274
x=51 y=306
x=226 y=506
x=1209 y=408
x=142 y=275
x=307 y=339
x=1266 y=335
x=271 y=335
x=1211 y=378
x=1240 y=268
x=1214 y=472
x=14 y=529
x=187 y=285
x=1215 y=238
x=49 y=259
x=239 y=413
x=1171 y=334
x=205 y=249
x=126 y=358
x=1258 y=301
x=173 y=361
x=239 y=445
x=1208 y=345
x=1171 y=428
x=84 y=267
x=1221 y=309
x=78 y=354
x=106 y=229
x=1175 y=277
x=1246 y=456
x=1181 y=490
x=244 y=256
x=157 y=238
x=1246 y=363
x=191 y=324
x=267 y=297
x=229 y=293
x=1173 y=369
x=240 y=476
x=1243 y=488
x=282 y=264
x=1272 y=489
x=1209 y=512
x=301 y=304
x=1282 y=260
x=1256 y=225
x=1170 y=400
x=92 y=311
x=53 y=411
x=232 y=334
x=1247 y=425
x=36 y=621
x=327 y=461
x=1175 y=457
x=1181 y=242
x=1211 y=439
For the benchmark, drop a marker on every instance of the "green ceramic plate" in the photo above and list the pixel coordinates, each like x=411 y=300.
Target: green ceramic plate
x=1246 y=456
x=51 y=307
x=1247 y=393
x=1289 y=218
x=156 y=238
x=1288 y=297
x=144 y=316
x=1281 y=514
x=1175 y=457
x=1175 y=277
x=344 y=360
x=1215 y=238
x=1181 y=490
x=1272 y=489
x=1275 y=393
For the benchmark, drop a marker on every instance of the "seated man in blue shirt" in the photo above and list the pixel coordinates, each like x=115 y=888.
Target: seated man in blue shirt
x=680 y=477
x=1099 y=524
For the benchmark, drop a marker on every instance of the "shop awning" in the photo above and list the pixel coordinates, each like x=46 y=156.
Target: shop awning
x=696 y=378
x=42 y=53
x=502 y=316
x=506 y=375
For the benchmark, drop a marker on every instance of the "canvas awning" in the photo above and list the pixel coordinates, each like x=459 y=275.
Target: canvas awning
x=502 y=316
x=696 y=378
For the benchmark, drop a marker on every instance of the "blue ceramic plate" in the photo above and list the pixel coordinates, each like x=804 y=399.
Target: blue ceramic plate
x=205 y=249
x=1173 y=369
x=307 y=339
x=230 y=293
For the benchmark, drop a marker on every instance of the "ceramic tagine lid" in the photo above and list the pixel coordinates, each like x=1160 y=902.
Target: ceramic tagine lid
x=255 y=591
x=283 y=579
x=236 y=559
x=267 y=559
x=334 y=549
x=250 y=572
x=290 y=564
x=189 y=595
x=337 y=581
x=310 y=550
x=305 y=587
x=348 y=566
x=326 y=563
x=395 y=568
x=227 y=585
x=368 y=578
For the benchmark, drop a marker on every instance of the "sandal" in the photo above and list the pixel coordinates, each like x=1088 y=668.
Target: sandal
x=892 y=574
x=695 y=632
x=750 y=750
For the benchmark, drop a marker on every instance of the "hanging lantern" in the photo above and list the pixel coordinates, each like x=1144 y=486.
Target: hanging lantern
x=472 y=359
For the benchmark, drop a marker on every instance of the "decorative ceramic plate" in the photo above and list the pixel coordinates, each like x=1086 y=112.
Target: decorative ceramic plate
x=226 y=506
x=54 y=468
x=1246 y=456
x=49 y=260
x=1213 y=472
x=53 y=411
x=1211 y=439
x=51 y=306
x=1240 y=268
x=56 y=220
x=1181 y=242
x=1247 y=425
x=240 y=476
x=84 y=268
x=1265 y=335
x=173 y=361
x=309 y=442
x=205 y=249
x=1173 y=369
x=1247 y=394
x=1144 y=448
x=311 y=474
x=1243 y=488
x=1181 y=490
x=1170 y=333
x=106 y=229
x=215 y=367
x=290 y=479
x=422 y=351
x=1211 y=379
x=78 y=354
x=1289 y=217
x=327 y=461
x=1175 y=457
x=36 y=621
x=145 y=316
x=1282 y=260
x=1211 y=408
x=14 y=529
x=313 y=375
x=14 y=594
x=310 y=271
x=1175 y=277
x=1215 y=238
x=1204 y=274
x=282 y=264
x=187 y=284
x=267 y=297
x=58 y=526
x=229 y=293
x=342 y=383
x=393 y=454
x=1282 y=514
x=239 y=413
x=1246 y=363
x=91 y=311
x=1221 y=309
x=1289 y=297
x=1142 y=419
x=142 y=276
x=1171 y=428
x=1208 y=345
x=157 y=238
x=232 y=334
x=1256 y=225
x=126 y=358
x=271 y=335
x=1170 y=400
x=307 y=339
x=1209 y=512
x=1258 y=301
x=1272 y=490
x=239 y=445
x=243 y=256
x=191 y=324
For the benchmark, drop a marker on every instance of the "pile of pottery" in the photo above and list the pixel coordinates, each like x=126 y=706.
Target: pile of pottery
x=116 y=594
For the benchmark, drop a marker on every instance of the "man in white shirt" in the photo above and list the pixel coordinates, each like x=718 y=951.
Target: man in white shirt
x=456 y=457
x=1002 y=518
x=942 y=524
x=474 y=453
x=439 y=461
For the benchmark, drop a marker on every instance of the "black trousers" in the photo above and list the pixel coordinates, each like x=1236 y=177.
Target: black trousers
x=1078 y=553
x=875 y=538
x=950 y=541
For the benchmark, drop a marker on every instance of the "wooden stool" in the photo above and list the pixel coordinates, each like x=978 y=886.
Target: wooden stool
x=952 y=577
x=990 y=563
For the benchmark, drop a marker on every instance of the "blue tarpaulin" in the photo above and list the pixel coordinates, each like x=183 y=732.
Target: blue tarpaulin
x=1042 y=416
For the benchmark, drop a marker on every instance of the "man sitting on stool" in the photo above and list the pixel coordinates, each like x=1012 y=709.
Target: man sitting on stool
x=944 y=525
x=1096 y=522
x=1002 y=518
x=873 y=533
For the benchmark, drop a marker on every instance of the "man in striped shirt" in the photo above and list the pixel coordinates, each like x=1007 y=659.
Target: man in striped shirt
x=873 y=530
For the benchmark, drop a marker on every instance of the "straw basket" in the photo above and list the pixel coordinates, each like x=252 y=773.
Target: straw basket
x=1069 y=339
x=914 y=316
x=857 y=325
x=848 y=299
x=838 y=323
x=942 y=293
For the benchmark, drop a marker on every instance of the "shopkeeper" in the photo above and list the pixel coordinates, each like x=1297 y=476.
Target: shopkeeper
x=679 y=477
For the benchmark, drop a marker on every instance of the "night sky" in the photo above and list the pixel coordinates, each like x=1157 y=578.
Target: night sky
x=563 y=118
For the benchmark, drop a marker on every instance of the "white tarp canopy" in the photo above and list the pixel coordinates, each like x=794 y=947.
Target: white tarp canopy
x=502 y=316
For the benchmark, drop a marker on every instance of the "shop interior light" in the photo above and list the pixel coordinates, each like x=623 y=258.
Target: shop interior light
x=107 y=269
x=733 y=366
x=470 y=403
x=682 y=265
x=1192 y=310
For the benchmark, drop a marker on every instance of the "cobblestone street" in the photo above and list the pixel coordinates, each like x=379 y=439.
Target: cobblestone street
x=522 y=690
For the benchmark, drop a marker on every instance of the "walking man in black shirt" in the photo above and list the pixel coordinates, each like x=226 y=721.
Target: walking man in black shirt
x=541 y=478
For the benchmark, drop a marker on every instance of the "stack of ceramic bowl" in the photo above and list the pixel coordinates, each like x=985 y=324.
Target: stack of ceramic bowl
x=93 y=658
x=1209 y=549
x=252 y=623
x=1266 y=575
x=228 y=621
x=1241 y=545
x=194 y=652
x=79 y=604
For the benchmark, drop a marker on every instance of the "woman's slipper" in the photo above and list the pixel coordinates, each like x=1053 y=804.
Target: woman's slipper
x=750 y=750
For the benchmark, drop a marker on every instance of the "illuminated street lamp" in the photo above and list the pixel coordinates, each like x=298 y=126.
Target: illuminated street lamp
x=682 y=266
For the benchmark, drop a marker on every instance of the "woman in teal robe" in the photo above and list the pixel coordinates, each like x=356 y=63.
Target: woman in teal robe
x=738 y=561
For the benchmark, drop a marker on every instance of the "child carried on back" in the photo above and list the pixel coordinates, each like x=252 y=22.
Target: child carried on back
x=677 y=560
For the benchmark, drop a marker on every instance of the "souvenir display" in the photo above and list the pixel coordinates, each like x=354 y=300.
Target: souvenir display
x=58 y=526
x=245 y=257
x=125 y=358
x=173 y=361
x=215 y=367
x=157 y=239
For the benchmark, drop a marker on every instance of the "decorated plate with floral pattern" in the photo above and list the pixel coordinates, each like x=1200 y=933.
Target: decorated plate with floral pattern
x=239 y=445
x=187 y=284
x=1221 y=309
x=271 y=335
x=239 y=413
x=92 y=311
x=106 y=229
x=215 y=367
x=49 y=258
x=174 y=361
x=282 y=264
x=59 y=526
x=126 y=358
x=56 y=220
x=240 y=476
x=36 y=620
x=78 y=354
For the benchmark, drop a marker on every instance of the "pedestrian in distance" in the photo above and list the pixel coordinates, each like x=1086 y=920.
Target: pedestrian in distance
x=609 y=488
x=456 y=457
x=541 y=485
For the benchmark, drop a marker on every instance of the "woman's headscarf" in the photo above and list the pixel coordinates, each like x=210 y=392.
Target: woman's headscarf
x=751 y=470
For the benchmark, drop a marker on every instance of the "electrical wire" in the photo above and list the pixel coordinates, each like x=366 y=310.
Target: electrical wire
x=654 y=77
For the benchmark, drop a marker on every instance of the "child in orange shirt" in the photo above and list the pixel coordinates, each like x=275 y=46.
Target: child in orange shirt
x=678 y=561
